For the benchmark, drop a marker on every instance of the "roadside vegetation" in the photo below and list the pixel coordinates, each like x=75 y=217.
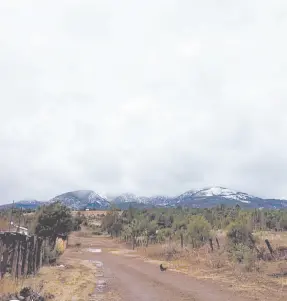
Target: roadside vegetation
x=53 y=223
x=230 y=244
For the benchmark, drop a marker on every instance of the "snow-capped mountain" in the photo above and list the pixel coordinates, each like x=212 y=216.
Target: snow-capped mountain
x=82 y=199
x=200 y=198
x=212 y=196
x=225 y=193
x=217 y=192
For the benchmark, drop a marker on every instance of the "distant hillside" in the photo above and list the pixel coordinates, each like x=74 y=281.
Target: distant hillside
x=200 y=198
x=26 y=204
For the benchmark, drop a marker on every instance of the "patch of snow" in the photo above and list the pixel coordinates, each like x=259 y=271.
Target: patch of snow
x=242 y=201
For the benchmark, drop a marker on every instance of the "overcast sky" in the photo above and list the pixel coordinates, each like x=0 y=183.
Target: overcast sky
x=150 y=97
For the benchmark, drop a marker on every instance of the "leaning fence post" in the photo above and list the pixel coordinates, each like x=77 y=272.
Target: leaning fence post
x=35 y=255
x=211 y=244
x=18 y=271
x=181 y=240
x=25 y=257
x=269 y=246
x=217 y=242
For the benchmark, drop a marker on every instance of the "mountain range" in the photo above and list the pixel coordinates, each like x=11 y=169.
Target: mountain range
x=201 y=198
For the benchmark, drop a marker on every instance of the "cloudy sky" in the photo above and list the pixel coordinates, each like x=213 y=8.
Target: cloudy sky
x=150 y=97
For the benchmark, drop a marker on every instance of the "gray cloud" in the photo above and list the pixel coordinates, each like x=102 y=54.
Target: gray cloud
x=148 y=97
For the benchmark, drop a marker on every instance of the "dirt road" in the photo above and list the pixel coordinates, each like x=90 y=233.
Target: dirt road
x=127 y=277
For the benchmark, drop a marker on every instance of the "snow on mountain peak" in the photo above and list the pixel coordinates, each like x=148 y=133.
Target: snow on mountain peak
x=225 y=193
x=217 y=191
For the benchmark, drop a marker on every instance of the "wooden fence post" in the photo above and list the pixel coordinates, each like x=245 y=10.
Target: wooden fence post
x=181 y=240
x=211 y=244
x=217 y=242
x=19 y=259
x=35 y=255
x=269 y=246
x=24 y=268
x=13 y=261
x=41 y=253
x=31 y=255
x=133 y=242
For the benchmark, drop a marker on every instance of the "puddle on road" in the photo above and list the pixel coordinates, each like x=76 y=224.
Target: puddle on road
x=99 y=264
x=94 y=250
x=99 y=268
x=101 y=284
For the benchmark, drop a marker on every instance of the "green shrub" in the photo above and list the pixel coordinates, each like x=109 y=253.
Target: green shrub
x=240 y=233
x=240 y=245
x=198 y=230
x=242 y=254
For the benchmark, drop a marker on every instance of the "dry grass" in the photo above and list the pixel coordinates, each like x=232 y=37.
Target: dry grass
x=84 y=234
x=277 y=239
x=9 y=286
x=4 y=224
x=217 y=266
x=74 y=282
x=167 y=251
x=91 y=212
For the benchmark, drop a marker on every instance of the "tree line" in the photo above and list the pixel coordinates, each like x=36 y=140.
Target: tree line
x=190 y=225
